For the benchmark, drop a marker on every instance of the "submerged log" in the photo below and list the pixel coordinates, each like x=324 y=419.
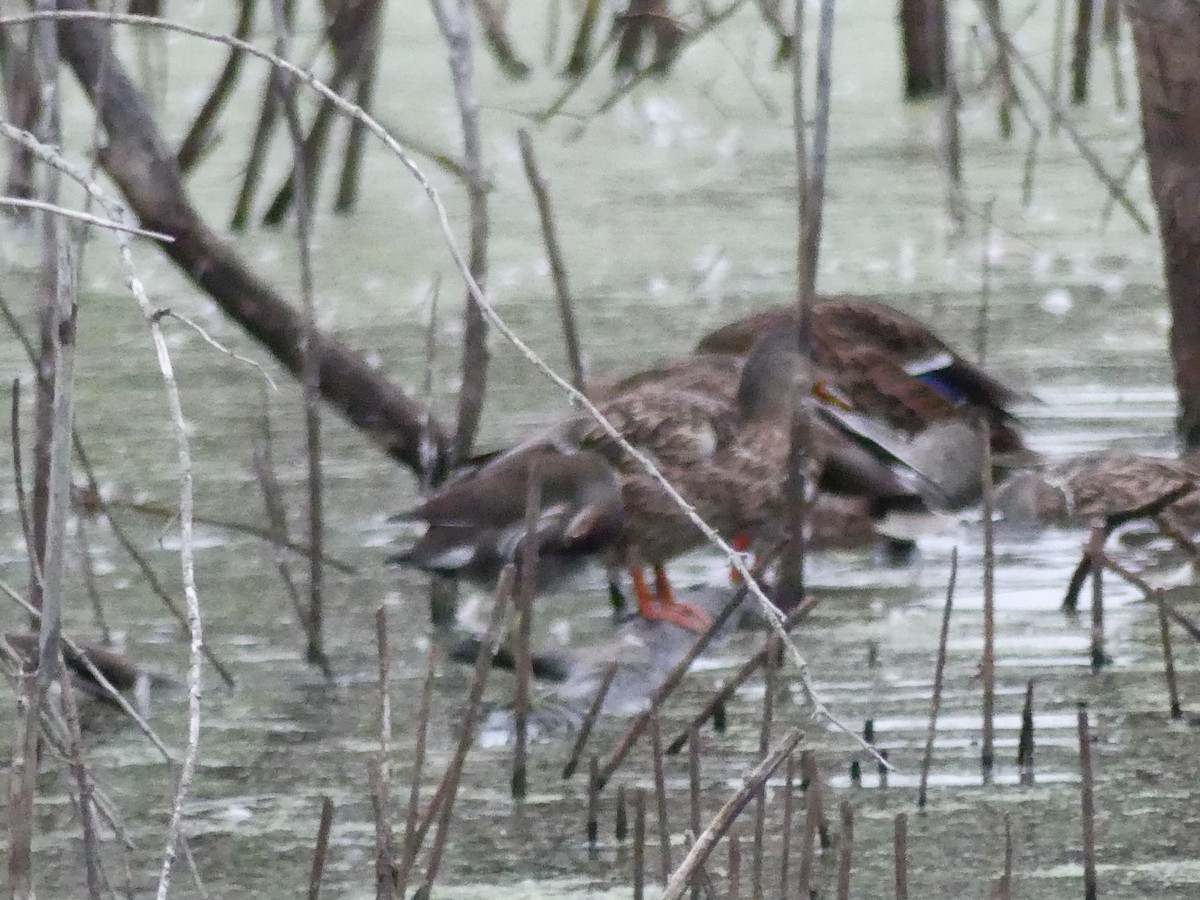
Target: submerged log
x=138 y=160
x=1166 y=36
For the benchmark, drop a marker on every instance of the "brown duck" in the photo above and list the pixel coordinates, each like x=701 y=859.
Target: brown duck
x=716 y=426
x=1109 y=489
x=894 y=369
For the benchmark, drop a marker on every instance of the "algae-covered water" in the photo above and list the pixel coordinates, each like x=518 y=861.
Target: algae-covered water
x=676 y=212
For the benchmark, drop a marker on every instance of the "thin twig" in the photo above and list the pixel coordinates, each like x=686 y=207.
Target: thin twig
x=730 y=687
x=83 y=781
x=414 y=794
x=939 y=672
x=80 y=216
x=456 y=33
x=385 y=841
x=706 y=842
x=660 y=799
x=589 y=720
x=558 y=269
x=987 y=666
x=845 y=851
x=322 y=848
x=442 y=802
x=524 y=598
x=1087 y=805
x=164 y=313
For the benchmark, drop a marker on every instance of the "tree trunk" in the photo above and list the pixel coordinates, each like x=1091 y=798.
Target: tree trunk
x=923 y=40
x=1166 y=35
x=144 y=168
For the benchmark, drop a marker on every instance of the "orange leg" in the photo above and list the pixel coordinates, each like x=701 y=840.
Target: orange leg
x=740 y=543
x=663 y=605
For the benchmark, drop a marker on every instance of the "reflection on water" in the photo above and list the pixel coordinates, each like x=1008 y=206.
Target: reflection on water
x=676 y=213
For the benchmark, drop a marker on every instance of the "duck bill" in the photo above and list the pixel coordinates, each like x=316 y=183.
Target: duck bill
x=831 y=395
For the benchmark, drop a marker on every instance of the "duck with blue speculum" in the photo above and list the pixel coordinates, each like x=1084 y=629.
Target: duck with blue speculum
x=899 y=374
x=895 y=369
x=718 y=428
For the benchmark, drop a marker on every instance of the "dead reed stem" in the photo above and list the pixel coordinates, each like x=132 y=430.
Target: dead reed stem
x=1087 y=805
x=660 y=798
x=985 y=283
x=589 y=720
x=168 y=513
x=324 y=826
x=263 y=463
x=845 y=851
x=442 y=802
x=368 y=72
x=764 y=747
x=749 y=667
x=987 y=667
x=900 y=844
x=1004 y=69
x=1005 y=886
x=939 y=672
x=1111 y=22
x=811 y=169
x=524 y=662
x=1058 y=46
x=1035 y=136
x=1025 y=738
x=811 y=776
x=59 y=312
x=385 y=869
x=1164 y=630
x=621 y=825
x=1081 y=57
x=706 y=842
x=88 y=570
x=414 y=792
x=455 y=30
x=19 y=474
x=558 y=269
x=735 y=866
x=199 y=136
x=639 y=843
x=310 y=374
x=789 y=785
x=83 y=781
x=660 y=694
x=951 y=121
x=1096 y=551
x=593 y=803
x=385 y=841
x=808 y=843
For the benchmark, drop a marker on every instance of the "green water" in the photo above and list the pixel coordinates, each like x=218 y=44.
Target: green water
x=676 y=212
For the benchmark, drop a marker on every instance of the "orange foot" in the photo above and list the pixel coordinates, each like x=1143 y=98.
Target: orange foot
x=662 y=605
x=741 y=543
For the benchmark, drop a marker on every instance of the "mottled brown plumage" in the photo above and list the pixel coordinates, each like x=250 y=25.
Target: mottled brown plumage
x=1116 y=487
x=1108 y=490
x=892 y=367
x=717 y=429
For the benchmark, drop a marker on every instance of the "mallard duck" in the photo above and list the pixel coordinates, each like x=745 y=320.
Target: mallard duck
x=893 y=368
x=717 y=427
x=1108 y=489
x=116 y=668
